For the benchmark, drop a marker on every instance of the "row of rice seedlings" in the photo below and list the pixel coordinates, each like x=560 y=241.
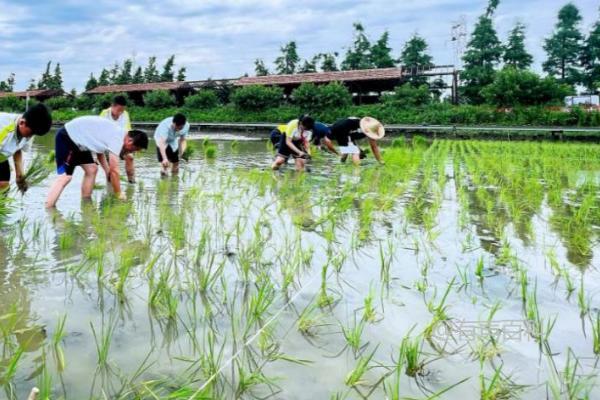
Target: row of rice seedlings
x=571 y=383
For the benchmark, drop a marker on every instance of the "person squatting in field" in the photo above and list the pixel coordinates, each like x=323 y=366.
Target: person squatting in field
x=16 y=135
x=170 y=137
x=294 y=141
x=74 y=145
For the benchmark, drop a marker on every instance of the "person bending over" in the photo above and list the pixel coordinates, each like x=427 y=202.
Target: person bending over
x=74 y=145
x=117 y=113
x=347 y=132
x=16 y=135
x=295 y=143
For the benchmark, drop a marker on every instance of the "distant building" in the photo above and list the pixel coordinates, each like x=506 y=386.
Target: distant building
x=136 y=91
x=38 y=94
x=588 y=100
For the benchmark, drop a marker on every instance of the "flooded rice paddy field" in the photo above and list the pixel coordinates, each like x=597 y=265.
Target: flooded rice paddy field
x=460 y=269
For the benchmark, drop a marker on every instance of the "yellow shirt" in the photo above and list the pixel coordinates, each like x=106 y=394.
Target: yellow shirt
x=123 y=121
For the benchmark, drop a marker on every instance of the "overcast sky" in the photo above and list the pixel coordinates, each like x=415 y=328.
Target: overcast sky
x=222 y=38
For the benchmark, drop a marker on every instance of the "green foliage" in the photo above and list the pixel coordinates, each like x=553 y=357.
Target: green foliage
x=410 y=96
x=311 y=98
x=12 y=103
x=482 y=56
x=287 y=63
x=151 y=74
x=590 y=59
x=381 y=53
x=99 y=102
x=515 y=54
x=565 y=46
x=359 y=55
x=61 y=102
x=85 y=102
x=159 y=99
x=257 y=98
x=91 y=83
x=513 y=87
x=414 y=58
x=204 y=99
x=260 y=68
x=8 y=84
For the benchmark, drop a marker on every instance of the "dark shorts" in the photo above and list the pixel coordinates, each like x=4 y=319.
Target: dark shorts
x=344 y=140
x=172 y=156
x=69 y=155
x=4 y=171
x=285 y=152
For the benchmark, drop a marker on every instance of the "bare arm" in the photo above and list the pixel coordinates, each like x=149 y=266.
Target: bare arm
x=18 y=159
x=130 y=168
x=330 y=147
x=113 y=163
x=375 y=149
x=182 y=145
x=291 y=145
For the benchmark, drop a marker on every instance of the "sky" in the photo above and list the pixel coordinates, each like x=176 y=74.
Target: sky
x=222 y=38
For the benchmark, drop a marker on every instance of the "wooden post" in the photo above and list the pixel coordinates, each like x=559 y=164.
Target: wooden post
x=455 y=87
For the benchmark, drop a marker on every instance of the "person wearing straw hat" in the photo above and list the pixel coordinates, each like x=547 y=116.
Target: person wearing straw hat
x=346 y=132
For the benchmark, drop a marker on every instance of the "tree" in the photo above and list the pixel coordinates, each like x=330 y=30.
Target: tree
x=565 y=46
x=167 y=74
x=414 y=57
x=56 y=82
x=114 y=73
x=287 y=62
x=381 y=53
x=309 y=66
x=181 y=74
x=328 y=62
x=103 y=79
x=151 y=74
x=125 y=76
x=260 y=68
x=483 y=54
x=46 y=80
x=8 y=84
x=91 y=83
x=590 y=59
x=515 y=54
x=138 y=77
x=32 y=84
x=359 y=55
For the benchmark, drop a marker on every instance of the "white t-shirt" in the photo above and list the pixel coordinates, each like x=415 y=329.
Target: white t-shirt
x=96 y=134
x=9 y=142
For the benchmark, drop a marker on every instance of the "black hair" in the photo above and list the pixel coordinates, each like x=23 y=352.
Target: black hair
x=179 y=119
x=140 y=139
x=120 y=100
x=38 y=118
x=307 y=122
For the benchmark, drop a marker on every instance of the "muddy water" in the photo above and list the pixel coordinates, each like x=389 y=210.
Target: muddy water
x=252 y=227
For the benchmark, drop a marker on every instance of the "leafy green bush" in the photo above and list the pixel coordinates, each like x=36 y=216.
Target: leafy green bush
x=12 y=104
x=513 y=87
x=315 y=99
x=257 y=98
x=410 y=96
x=60 y=103
x=85 y=102
x=204 y=99
x=159 y=99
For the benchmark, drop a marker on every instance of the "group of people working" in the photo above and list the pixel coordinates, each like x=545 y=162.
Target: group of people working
x=294 y=139
x=103 y=140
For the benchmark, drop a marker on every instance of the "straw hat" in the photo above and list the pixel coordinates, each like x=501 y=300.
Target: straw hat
x=372 y=128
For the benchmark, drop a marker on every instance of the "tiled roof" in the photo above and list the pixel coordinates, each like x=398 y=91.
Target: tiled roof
x=323 y=77
x=139 y=87
x=34 y=93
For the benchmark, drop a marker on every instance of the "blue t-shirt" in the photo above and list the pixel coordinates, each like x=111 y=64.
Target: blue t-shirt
x=166 y=131
x=319 y=132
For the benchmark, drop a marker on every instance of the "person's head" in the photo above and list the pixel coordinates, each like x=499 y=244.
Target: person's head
x=135 y=140
x=179 y=121
x=307 y=122
x=36 y=121
x=119 y=104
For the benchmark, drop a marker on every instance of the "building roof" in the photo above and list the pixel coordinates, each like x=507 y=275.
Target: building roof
x=324 y=77
x=139 y=87
x=34 y=93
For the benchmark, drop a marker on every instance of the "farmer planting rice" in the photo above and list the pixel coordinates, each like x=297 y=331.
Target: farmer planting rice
x=16 y=134
x=76 y=142
x=295 y=142
x=117 y=113
x=347 y=132
x=170 y=137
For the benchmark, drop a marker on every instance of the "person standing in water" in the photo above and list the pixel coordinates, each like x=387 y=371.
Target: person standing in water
x=118 y=113
x=170 y=137
x=295 y=142
x=76 y=142
x=16 y=134
x=347 y=132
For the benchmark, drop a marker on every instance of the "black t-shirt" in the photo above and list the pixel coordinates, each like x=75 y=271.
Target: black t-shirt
x=345 y=130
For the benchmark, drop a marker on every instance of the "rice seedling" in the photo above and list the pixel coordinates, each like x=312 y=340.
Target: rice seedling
x=356 y=376
x=57 y=350
x=210 y=152
x=38 y=170
x=571 y=383
x=190 y=150
x=582 y=301
x=498 y=386
x=353 y=335
x=309 y=320
x=369 y=312
x=479 y=269
x=596 y=333
x=411 y=353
